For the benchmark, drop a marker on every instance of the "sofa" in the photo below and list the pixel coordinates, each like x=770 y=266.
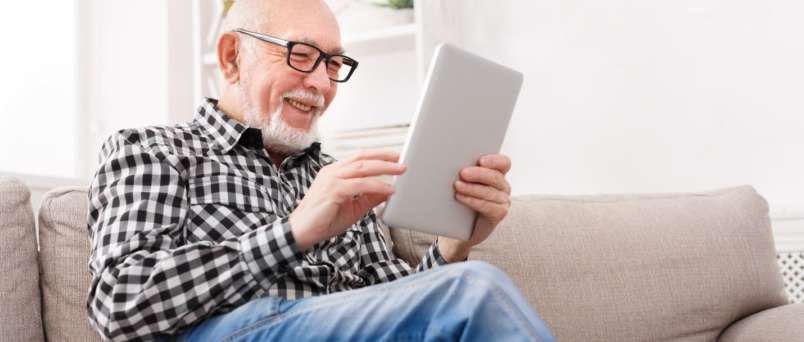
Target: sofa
x=637 y=267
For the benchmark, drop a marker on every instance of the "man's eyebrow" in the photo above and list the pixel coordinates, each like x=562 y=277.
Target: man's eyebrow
x=338 y=51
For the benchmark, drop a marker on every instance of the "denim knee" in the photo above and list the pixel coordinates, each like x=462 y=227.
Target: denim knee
x=483 y=270
x=484 y=277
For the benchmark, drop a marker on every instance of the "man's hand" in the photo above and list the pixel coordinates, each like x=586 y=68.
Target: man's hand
x=341 y=194
x=484 y=189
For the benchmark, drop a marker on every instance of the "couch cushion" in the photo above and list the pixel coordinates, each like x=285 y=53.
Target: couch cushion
x=669 y=267
x=63 y=257
x=780 y=324
x=20 y=317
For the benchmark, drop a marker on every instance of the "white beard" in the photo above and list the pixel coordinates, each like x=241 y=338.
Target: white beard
x=277 y=135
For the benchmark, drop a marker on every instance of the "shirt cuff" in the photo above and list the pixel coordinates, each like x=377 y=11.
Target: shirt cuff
x=270 y=251
x=431 y=258
x=437 y=254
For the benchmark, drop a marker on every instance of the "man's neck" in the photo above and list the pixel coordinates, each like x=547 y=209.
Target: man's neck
x=228 y=107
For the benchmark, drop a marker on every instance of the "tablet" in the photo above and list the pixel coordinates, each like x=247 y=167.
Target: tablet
x=463 y=115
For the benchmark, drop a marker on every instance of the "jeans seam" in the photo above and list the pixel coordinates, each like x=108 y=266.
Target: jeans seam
x=371 y=291
x=276 y=317
x=510 y=306
x=260 y=323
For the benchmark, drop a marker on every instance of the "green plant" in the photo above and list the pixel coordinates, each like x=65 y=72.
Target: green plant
x=227 y=4
x=395 y=4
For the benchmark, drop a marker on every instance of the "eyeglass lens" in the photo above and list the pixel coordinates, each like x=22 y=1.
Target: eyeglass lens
x=303 y=58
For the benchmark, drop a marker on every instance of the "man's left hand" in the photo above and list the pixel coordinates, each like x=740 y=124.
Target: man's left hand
x=484 y=189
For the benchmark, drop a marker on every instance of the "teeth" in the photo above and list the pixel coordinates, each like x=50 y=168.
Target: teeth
x=300 y=106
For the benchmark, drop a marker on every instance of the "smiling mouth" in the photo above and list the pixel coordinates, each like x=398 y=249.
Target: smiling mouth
x=303 y=107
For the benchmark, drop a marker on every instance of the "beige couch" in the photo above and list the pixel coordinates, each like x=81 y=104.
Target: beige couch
x=667 y=267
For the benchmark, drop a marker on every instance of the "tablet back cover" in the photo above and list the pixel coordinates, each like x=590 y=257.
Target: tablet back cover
x=463 y=115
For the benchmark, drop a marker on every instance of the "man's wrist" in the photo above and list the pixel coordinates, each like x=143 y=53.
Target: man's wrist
x=453 y=250
x=302 y=237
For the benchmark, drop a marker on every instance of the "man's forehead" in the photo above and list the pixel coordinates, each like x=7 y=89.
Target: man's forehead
x=311 y=22
x=330 y=48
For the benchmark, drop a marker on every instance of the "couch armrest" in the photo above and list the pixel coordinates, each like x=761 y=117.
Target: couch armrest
x=780 y=324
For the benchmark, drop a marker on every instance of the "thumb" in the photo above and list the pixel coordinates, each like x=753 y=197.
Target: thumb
x=372 y=200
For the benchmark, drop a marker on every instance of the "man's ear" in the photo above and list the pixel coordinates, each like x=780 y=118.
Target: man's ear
x=228 y=57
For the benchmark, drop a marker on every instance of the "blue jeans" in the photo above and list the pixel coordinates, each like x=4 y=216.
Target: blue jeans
x=469 y=301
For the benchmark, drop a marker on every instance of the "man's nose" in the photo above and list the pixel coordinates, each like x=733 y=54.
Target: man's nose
x=318 y=78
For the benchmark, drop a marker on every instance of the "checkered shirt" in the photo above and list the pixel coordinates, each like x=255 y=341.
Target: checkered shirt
x=190 y=221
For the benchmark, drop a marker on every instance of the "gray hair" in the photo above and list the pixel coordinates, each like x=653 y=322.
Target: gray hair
x=248 y=14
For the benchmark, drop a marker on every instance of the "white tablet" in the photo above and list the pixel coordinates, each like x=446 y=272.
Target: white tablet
x=462 y=116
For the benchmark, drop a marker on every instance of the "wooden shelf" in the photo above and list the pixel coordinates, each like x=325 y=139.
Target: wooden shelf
x=372 y=131
x=344 y=144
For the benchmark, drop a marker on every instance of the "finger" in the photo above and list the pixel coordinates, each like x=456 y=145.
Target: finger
x=495 y=211
x=351 y=189
x=485 y=176
x=390 y=156
x=372 y=200
x=481 y=191
x=499 y=162
x=369 y=168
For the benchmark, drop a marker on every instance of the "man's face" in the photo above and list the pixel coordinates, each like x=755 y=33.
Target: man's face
x=277 y=98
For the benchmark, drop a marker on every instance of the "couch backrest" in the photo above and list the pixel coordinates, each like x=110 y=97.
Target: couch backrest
x=675 y=267
x=63 y=258
x=665 y=267
x=20 y=318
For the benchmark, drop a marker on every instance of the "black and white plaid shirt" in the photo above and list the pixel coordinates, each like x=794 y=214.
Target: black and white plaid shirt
x=191 y=220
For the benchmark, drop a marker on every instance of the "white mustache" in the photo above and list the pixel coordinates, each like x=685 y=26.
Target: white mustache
x=306 y=96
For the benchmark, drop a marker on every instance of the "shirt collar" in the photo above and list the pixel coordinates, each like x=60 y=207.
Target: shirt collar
x=226 y=132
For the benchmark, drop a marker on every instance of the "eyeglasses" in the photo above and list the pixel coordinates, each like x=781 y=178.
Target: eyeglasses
x=305 y=57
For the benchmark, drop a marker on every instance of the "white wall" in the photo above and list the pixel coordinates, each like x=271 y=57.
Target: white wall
x=126 y=71
x=139 y=68
x=87 y=69
x=38 y=89
x=647 y=96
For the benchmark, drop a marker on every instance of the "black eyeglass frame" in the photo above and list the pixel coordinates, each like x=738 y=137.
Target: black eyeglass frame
x=289 y=45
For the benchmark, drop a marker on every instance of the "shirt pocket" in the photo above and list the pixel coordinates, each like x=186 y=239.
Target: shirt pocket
x=231 y=191
x=226 y=206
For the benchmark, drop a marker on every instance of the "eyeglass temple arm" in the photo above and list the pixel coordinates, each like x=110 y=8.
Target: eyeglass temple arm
x=263 y=37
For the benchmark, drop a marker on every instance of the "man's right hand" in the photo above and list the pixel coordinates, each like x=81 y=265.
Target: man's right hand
x=342 y=193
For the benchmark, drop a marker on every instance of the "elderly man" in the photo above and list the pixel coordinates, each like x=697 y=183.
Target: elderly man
x=236 y=226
